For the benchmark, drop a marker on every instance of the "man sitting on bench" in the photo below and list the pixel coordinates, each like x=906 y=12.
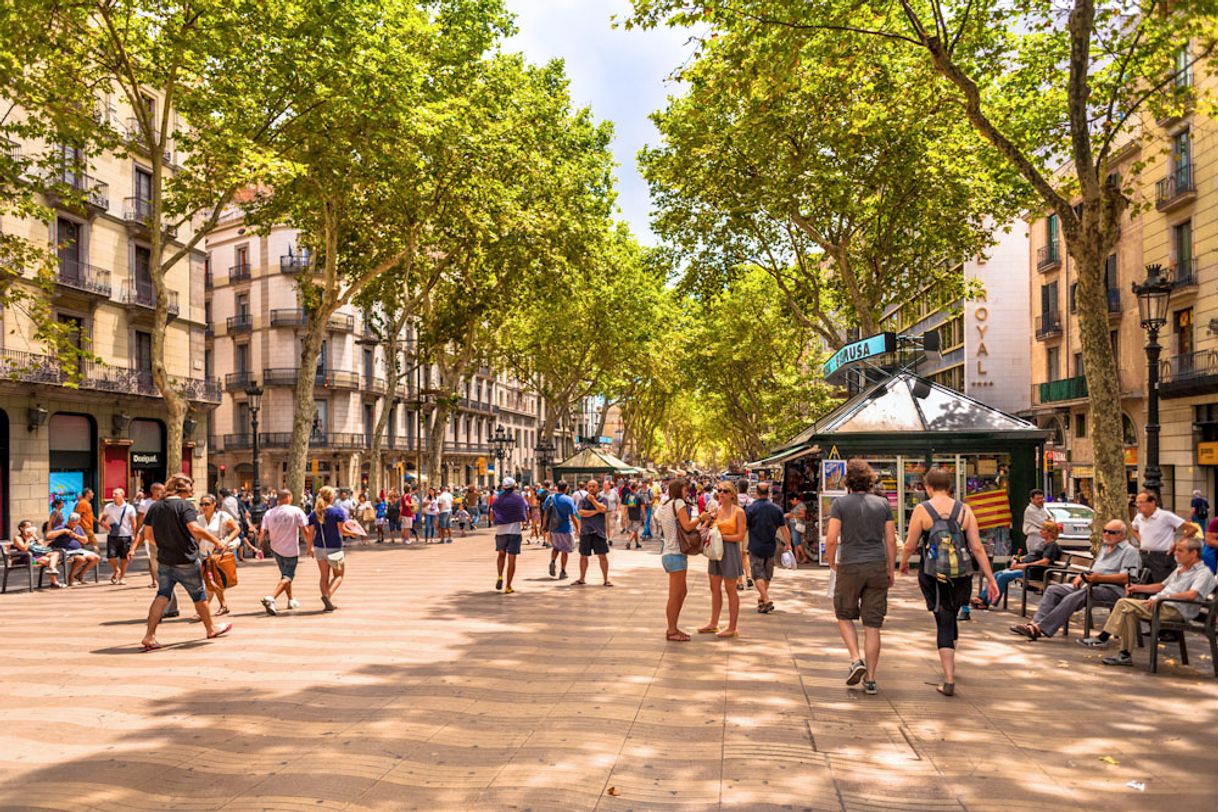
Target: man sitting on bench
x=1191 y=581
x=1032 y=568
x=1118 y=562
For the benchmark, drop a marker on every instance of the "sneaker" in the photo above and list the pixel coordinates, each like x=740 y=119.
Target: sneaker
x=739 y=587
x=553 y=568
x=870 y=688
x=508 y=591
x=293 y=604
x=268 y=603
x=562 y=575
x=749 y=583
x=498 y=584
x=1124 y=658
x=857 y=671
x=1093 y=642
x=965 y=614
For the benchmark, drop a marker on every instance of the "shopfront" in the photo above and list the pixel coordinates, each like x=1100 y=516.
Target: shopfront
x=147 y=453
x=73 y=456
x=906 y=426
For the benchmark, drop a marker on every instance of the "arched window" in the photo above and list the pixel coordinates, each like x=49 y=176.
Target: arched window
x=1128 y=430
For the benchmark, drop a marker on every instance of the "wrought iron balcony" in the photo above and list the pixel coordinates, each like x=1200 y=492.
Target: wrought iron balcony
x=93 y=193
x=1176 y=189
x=342 y=323
x=1184 y=275
x=234 y=381
x=294 y=263
x=1048 y=257
x=287 y=376
x=238 y=441
x=241 y=323
x=238 y=272
x=289 y=317
x=83 y=277
x=1194 y=373
x=137 y=213
x=1048 y=325
x=143 y=295
x=94 y=376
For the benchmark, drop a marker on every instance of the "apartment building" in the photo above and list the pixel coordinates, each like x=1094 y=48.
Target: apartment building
x=107 y=430
x=983 y=351
x=257 y=328
x=1180 y=232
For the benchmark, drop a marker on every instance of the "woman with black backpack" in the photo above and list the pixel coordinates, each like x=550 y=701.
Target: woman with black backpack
x=945 y=530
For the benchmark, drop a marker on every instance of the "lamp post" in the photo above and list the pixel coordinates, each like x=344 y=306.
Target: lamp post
x=254 y=393
x=1153 y=294
x=545 y=455
x=503 y=443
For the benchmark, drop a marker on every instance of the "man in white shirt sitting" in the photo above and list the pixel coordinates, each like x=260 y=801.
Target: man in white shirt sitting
x=1191 y=581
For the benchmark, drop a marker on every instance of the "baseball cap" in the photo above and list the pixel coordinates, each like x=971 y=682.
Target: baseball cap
x=508 y=482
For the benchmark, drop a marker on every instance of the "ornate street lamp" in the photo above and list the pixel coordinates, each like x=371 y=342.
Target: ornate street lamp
x=254 y=394
x=503 y=443
x=1154 y=294
x=545 y=455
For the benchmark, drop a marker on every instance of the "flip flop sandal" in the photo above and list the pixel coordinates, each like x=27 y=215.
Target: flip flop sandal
x=726 y=635
x=606 y=584
x=151 y=646
x=709 y=630
x=580 y=582
x=947 y=688
x=220 y=632
x=680 y=637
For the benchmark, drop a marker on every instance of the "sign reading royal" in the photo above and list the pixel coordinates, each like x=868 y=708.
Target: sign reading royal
x=870 y=347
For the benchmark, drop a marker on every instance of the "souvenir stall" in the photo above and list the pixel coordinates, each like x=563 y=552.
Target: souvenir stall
x=590 y=462
x=904 y=426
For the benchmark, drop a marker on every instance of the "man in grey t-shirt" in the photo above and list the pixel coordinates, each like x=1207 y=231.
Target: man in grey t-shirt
x=862 y=527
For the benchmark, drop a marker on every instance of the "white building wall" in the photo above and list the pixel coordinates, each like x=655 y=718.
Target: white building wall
x=997 y=325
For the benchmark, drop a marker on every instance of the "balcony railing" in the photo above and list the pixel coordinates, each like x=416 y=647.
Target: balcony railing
x=83 y=277
x=1048 y=257
x=94 y=376
x=1184 y=275
x=294 y=263
x=238 y=441
x=137 y=212
x=1055 y=391
x=288 y=317
x=342 y=323
x=287 y=376
x=1175 y=189
x=1194 y=373
x=471 y=405
x=238 y=380
x=241 y=323
x=143 y=295
x=238 y=272
x=374 y=385
x=340 y=379
x=1048 y=325
x=96 y=193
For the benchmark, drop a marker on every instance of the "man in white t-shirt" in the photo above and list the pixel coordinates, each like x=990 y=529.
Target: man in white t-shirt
x=281 y=526
x=1034 y=515
x=445 y=504
x=118 y=520
x=1155 y=529
x=609 y=497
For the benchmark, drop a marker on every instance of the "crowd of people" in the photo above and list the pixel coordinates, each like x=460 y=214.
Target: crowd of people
x=196 y=542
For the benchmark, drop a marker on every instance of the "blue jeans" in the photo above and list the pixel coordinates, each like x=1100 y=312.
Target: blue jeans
x=647 y=523
x=429 y=526
x=1004 y=578
x=190 y=576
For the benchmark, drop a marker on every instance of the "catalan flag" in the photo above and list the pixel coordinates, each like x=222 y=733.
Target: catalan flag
x=992 y=509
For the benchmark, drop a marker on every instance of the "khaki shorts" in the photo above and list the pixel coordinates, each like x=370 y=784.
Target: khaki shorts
x=862 y=591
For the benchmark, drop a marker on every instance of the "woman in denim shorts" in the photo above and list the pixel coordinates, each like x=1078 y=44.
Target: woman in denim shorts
x=675 y=510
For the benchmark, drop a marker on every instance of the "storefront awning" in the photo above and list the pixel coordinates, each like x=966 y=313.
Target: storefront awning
x=782 y=456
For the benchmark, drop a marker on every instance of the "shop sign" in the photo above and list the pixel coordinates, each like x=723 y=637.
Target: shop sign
x=870 y=347
x=145 y=459
x=981 y=316
x=1207 y=453
x=1084 y=471
x=1131 y=456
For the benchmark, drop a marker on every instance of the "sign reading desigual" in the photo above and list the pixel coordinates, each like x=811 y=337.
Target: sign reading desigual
x=870 y=347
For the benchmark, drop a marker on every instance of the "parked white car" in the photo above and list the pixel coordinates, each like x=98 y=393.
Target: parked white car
x=1075 y=521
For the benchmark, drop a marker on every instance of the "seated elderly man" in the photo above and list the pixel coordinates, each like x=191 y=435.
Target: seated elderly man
x=70 y=540
x=1118 y=562
x=1191 y=580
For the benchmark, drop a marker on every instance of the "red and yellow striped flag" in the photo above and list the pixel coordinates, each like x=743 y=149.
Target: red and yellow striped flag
x=992 y=509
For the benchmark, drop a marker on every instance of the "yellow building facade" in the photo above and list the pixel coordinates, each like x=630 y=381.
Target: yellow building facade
x=107 y=429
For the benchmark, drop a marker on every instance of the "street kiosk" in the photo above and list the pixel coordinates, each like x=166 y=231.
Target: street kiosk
x=903 y=426
x=590 y=462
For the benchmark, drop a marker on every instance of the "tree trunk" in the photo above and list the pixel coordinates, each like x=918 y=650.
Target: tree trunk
x=437 y=429
x=305 y=412
x=392 y=373
x=1103 y=382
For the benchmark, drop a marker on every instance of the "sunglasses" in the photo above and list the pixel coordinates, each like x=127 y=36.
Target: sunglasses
x=1112 y=532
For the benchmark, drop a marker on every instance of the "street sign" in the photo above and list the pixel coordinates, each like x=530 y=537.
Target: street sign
x=862 y=350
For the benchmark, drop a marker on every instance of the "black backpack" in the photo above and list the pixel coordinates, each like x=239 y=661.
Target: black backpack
x=945 y=553
x=549 y=515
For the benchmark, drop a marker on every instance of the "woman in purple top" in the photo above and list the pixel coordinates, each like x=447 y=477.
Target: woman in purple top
x=329 y=526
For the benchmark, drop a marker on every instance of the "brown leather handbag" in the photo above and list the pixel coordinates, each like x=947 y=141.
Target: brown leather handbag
x=223 y=569
x=690 y=540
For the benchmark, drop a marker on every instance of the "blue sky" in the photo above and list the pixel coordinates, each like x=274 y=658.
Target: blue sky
x=621 y=74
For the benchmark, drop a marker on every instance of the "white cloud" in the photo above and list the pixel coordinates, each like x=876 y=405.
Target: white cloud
x=622 y=75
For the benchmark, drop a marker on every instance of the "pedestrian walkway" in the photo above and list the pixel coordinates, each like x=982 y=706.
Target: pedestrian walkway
x=429 y=690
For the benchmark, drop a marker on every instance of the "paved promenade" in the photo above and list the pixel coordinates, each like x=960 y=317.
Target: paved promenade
x=429 y=690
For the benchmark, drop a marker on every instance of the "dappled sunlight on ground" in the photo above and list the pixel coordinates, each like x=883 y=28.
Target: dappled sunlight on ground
x=427 y=689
